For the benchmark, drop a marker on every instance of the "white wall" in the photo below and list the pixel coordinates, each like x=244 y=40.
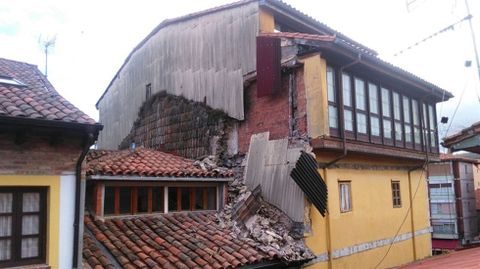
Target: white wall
x=67 y=214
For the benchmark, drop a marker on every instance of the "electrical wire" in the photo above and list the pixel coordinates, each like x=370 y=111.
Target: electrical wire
x=456 y=108
x=406 y=216
x=441 y=31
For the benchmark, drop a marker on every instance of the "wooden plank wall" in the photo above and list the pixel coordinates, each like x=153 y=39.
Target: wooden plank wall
x=202 y=59
x=269 y=164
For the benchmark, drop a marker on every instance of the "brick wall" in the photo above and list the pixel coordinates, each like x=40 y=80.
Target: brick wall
x=274 y=113
x=37 y=155
x=175 y=124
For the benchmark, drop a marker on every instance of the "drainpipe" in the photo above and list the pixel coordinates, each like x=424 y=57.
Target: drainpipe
x=342 y=120
x=87 y=142
x=328 y=228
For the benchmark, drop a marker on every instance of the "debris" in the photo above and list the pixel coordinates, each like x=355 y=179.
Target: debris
x=268 y=227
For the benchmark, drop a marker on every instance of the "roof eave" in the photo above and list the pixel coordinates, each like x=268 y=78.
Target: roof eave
x=160 y=179
x=22 y=121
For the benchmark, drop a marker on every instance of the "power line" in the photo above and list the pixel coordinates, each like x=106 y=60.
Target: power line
x=443 y=30
x=456 y=109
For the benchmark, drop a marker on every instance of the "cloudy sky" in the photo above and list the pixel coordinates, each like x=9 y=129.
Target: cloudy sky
x=94 y=37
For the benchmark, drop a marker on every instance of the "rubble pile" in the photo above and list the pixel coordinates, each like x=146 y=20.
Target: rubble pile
x=209 y=163
x=269 y=228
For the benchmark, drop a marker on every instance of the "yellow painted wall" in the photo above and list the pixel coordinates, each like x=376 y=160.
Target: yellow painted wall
x=315 y=81
x=266 y=21
x=53 y=211
x=373 y=218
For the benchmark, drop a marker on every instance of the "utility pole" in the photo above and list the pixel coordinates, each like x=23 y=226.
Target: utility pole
x=473 y=38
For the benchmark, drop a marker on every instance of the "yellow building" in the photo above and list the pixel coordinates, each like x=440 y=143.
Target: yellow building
x=372 y=127
x=43 y=140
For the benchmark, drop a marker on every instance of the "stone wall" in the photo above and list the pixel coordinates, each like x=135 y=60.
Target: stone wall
x=174 y=124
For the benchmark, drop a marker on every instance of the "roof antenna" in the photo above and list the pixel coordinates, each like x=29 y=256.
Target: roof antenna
x=46 y=44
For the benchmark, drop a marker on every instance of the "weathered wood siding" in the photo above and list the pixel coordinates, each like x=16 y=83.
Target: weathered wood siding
x=202 y=59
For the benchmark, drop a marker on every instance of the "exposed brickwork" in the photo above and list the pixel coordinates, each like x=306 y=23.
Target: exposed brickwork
x=175 y=124
x=273 y=113
x=37 y=156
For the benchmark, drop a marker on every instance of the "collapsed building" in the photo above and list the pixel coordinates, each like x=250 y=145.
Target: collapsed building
x=316 y=124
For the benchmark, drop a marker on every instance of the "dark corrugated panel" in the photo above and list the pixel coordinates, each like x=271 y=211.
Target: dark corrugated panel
x=269 y=55
x=306 y=175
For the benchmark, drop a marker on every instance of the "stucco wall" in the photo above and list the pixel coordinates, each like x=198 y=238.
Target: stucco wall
x=360 y=238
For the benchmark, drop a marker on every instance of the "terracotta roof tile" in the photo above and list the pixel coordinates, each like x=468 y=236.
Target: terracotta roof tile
x=170 y=241
x=93 y=256
x=36 y=98
x=146 y=163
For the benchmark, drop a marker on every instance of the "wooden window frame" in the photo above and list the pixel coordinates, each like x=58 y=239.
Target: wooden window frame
x=361 y=136
x=376 y=139
x=387 y=141
x=418 y=145
x=398 y=143
x=349 y=184
x=16 y=233
x=396 y=194
x=351 y=134
x=164 y=207
x=334 y=104
x=408 y=116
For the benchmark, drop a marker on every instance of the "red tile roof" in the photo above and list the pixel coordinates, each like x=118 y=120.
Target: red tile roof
x=452 y=157
x=93 y=257
x=37 y=98
x=148 y=163
x=465 y=259
x=180 y=240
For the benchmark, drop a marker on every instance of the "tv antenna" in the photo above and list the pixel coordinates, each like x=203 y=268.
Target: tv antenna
x=47 y=44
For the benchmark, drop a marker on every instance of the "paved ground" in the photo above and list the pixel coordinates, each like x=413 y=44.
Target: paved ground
x=464 y=259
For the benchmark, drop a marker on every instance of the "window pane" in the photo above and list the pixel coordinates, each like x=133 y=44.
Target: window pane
x=417 y=135
x=331 y=84
x=348 y=120
x=125 y=200
x=361 y=123
x=372 y=91
x=416 y=117
x=385 y=102
x=398 y=131
x=199 y=198
x=157 y=199
x=31 y=202
x=408 y=133
x=433 y=139
x=5 y=225
x=5 y=202
x=142 y=200
x=212 y=198
x=172 y=199
x=396 y=106
x=387 y=129
x=431 y=117
x=347 y=91
x=109 y=201
x=360 y=97
x=30 y=225
x=375 y=128
x=185 y=192
x=5 y=250
x=345 y=204
x=406 y=109
x=332 y=117
x=425 y=122
x=29 y=247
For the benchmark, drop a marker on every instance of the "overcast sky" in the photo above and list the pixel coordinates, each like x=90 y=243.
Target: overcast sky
x=93 y=38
